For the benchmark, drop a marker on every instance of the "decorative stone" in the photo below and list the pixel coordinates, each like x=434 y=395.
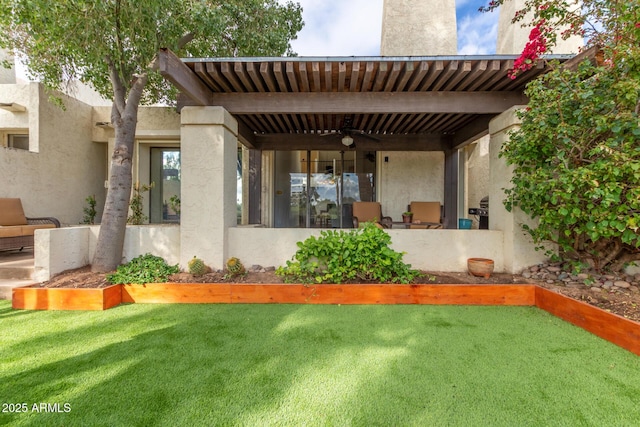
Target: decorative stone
x=583 y=276
x=563 y=276
x=554 y=269
x=527 y=275
x=622 y=284
x=594 y=289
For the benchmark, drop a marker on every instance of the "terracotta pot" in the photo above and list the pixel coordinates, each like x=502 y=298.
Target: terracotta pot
x=407 y=218
x=480 y=267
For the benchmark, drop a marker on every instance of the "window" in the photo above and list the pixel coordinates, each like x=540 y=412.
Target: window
x=17 y=139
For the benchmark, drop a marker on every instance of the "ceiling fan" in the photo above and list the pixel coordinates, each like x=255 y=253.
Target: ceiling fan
x=347 y=131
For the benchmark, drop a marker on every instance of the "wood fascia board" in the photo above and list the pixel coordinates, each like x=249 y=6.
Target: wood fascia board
x=369 y=102
x=182 y=77
x=292 y=141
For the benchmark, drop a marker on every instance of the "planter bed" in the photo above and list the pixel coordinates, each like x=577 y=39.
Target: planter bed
x=618 y=330
x=29 y=298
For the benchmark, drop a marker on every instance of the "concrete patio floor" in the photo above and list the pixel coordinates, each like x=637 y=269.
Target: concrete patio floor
x=16 y=269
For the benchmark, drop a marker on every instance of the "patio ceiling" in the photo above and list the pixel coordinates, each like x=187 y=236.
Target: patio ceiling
x=407 y=103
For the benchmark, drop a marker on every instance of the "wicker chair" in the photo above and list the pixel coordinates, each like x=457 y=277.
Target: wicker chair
x=16 y=230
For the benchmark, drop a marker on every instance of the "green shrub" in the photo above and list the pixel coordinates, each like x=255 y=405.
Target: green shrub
x=341 y=256
x=143 y=269
x=90 y=210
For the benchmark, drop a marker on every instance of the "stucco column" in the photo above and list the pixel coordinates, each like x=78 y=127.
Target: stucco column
x=519 y=249
x=208 y=188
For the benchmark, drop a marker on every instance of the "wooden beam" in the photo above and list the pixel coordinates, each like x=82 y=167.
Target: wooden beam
x=295 y=141
x=368 y=102
x=246 y=135
x=182 y=77
x=472 y=131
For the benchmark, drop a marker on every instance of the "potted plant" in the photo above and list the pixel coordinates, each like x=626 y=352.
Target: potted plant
x=407 y=216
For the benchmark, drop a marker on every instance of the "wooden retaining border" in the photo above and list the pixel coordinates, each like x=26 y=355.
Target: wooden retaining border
x=30 y=298
x=618 y=330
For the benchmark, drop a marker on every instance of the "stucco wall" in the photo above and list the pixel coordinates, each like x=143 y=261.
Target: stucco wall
x=519 y=250
x=477 y=174
x=406 y=176
x=433 y=250
x=512 y=38
x=416 y=27
x=60 y=249
x=62 y=167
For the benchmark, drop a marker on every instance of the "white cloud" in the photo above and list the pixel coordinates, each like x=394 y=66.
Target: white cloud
x=339 y=28
x=346 y=28
x=477 y=34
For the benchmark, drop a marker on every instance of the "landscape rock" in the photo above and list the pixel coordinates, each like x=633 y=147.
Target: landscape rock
x=622 y=284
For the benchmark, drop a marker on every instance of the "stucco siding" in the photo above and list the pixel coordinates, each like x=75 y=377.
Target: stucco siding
x=406 y=176
x=62 y=167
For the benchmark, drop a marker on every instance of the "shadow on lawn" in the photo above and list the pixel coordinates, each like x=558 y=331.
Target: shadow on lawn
x=291 y=365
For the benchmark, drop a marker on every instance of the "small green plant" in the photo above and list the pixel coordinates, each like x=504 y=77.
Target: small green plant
x=340 y=256
x=197 y=267
x=143 y=269
x=235 y=267
x=90 y=210
x=174 y=203
x=137 y=216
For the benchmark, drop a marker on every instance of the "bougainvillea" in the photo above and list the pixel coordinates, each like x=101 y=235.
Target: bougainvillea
x=576 y=155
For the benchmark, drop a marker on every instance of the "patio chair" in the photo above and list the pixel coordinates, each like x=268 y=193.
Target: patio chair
x=369 y=212
x=427 y=212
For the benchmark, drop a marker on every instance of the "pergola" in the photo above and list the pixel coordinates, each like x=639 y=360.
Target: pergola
x=407 y=103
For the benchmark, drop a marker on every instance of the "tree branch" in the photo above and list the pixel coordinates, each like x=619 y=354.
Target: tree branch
x=185 y=39
x=119 y=91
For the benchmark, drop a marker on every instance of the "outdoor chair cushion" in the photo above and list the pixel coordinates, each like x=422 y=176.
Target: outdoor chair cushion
x=426 y=212
x=11 y=212
x=369 y=212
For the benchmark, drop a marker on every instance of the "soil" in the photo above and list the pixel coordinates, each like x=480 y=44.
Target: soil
x=625 y=303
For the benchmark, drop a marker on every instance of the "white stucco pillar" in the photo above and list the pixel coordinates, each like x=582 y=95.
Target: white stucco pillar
x=519 y=249
x=208 y=189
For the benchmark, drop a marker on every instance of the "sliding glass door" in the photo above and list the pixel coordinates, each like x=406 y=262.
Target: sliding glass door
x=318 y=188
x=164 y=198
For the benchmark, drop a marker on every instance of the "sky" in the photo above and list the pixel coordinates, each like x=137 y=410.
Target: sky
x=352 y=28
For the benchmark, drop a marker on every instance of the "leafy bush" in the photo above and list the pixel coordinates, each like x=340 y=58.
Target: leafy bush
x=341 y=256
x=143 y=269
x=577 y=165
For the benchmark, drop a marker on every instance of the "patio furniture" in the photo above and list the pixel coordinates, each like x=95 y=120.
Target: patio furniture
x=426 y=215
x=16 y=230
x=369 y=212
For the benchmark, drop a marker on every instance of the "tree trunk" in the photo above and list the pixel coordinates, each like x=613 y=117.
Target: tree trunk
x=110 y=243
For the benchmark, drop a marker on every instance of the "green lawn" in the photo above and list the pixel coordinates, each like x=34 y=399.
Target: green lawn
x=250 y=365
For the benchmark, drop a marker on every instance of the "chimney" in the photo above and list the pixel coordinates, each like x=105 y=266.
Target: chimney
x=419 y=28
x=512 y=38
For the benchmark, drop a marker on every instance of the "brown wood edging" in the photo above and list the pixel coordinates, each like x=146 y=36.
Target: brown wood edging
x=618 y=330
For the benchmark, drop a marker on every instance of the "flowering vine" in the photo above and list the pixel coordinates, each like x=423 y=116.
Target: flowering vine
x=535 y=47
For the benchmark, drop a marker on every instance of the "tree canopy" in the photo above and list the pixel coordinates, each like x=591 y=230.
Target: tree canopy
x=576 y=156
x=97 y=41
x=112 y=44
